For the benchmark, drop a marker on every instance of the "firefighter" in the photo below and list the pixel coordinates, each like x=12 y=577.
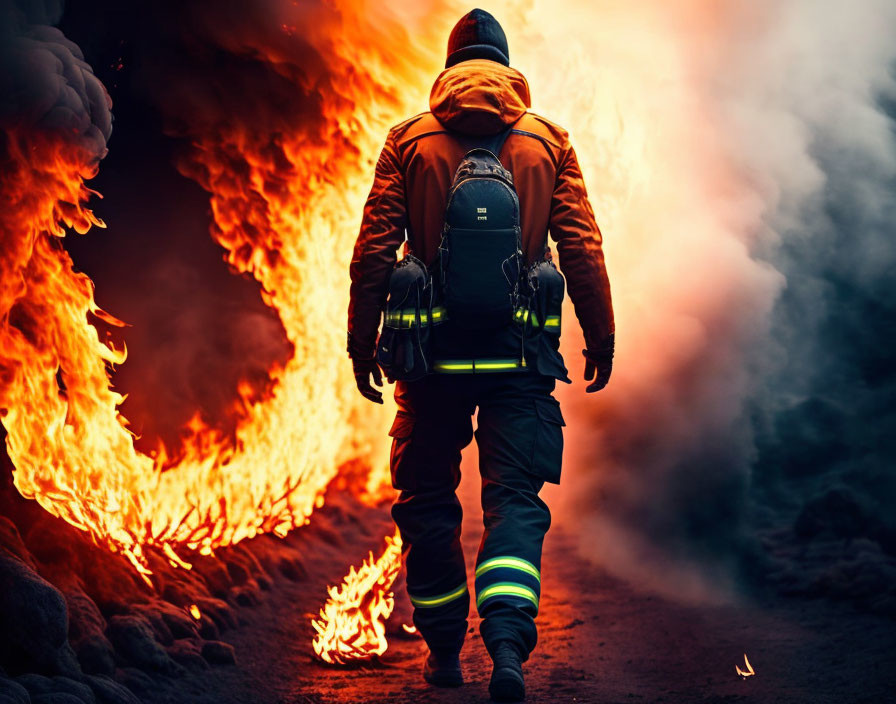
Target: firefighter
x=519 y=423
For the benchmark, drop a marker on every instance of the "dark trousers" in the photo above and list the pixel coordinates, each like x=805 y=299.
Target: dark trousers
x=520 y=441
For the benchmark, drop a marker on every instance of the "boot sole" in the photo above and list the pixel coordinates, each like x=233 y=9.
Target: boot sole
x=446 y=681
x=507 y=686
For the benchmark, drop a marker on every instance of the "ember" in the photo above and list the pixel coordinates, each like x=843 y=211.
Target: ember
x=749 y=672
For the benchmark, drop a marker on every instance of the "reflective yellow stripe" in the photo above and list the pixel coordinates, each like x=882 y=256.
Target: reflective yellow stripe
x=430 y=601
x=512 y=562
x=408 y=317
x=507 y=589
x=453 y=366
x=497 y=365
x=553 y=321
x=477 y=365
x=521 y=315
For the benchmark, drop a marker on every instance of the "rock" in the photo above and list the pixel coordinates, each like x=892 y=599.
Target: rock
x=85 y=618
x=86 y=631
x=187 y=652
x=52 y=540
x=208 y=629
x=95 y=655
x=218 y=610
x=134 y=679
x=133 y=638
x=56 y=698
x=108 y=691
x=175 y=593
x=11 y=541
x=113 y=584
x=245 y=595
x=179 y=622
x=157 y=623
x=39 y=686
x=237 y=570
x=214 y=573
x=13 y=692
x=218 y=653
x=34 y=622
x=293 y=569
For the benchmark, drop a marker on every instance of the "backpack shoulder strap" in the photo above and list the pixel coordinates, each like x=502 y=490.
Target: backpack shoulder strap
x=494 y=142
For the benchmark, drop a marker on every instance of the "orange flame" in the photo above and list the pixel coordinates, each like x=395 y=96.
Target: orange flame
x=351 y=625
x=285 y=208
x=749 y=672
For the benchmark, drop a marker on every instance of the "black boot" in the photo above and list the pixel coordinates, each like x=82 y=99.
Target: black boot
x=507 y=684
x=443 y=669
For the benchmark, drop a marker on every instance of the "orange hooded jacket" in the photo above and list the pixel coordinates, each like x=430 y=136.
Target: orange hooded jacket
x=414 y=174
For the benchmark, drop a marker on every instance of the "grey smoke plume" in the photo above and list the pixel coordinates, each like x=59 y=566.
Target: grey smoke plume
x=44 y=80
x=765 y=445
x=824 y=485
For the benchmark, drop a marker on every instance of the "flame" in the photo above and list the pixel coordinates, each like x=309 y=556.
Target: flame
x=285 y=207
x=749 y=672
x=351 y=625
x=194 y=612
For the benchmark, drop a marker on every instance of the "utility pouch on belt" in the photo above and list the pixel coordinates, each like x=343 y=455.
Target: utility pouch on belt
x=403 y=347
x=538 y=318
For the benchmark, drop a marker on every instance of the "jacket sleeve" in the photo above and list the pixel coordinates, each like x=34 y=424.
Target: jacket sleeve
x=578 y=238
x=382 y=233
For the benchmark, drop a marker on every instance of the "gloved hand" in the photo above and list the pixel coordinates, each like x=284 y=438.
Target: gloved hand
x=599 y=364
x=364 y=368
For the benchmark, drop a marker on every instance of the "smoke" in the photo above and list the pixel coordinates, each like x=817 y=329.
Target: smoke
x=45 y=83
x=824 y=480
x=741 y=160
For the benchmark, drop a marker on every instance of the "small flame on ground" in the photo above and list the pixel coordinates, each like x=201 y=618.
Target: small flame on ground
x=408 y=628
x=352 y=624
x=194 y=612
x=745 y=673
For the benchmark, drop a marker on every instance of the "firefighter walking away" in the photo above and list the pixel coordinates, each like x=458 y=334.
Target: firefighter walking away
x=471 y=320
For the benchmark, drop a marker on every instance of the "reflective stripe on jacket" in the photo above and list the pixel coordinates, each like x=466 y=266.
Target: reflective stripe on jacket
x=415 y=171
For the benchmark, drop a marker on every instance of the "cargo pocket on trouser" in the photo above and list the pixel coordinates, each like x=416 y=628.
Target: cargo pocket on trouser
x=400 y=463
x=547 y=454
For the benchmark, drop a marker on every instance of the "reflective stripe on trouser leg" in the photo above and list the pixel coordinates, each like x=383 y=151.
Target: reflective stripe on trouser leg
x=518 y=447
x=429 y=602
x=508 y=579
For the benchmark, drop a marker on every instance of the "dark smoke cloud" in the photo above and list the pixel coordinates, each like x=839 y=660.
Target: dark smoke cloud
x=824 y=481
x=45 y=83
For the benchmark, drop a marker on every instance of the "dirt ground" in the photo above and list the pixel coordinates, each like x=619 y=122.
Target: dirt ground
x=600 y=641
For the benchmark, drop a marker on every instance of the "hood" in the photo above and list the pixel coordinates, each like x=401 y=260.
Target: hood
x=479 y=97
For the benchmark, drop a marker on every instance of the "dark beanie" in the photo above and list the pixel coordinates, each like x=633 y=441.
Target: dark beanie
x=477 y=36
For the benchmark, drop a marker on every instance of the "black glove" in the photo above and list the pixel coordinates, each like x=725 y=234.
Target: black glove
x=600 y=362
x=364 y=368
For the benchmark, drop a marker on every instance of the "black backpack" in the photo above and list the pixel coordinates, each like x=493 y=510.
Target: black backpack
x=480 y=257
